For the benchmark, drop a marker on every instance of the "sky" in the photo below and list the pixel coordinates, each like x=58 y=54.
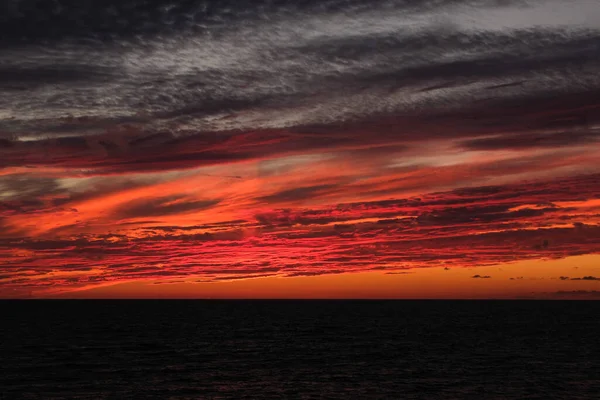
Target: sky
x=300 y=149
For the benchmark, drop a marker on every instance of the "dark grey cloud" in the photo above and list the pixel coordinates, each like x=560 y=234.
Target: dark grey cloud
x=24 y=193
x=237 y=277
x=301 y=193
x=531 y=51
x=29 y=76
x=586 y=278
x=534 y=140
x=26 y=21
x=314 y=273
x=207 y=65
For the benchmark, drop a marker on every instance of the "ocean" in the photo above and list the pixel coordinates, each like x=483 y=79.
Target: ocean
x=316 y=349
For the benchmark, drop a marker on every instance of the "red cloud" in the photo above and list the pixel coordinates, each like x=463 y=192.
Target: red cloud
x=466 y=227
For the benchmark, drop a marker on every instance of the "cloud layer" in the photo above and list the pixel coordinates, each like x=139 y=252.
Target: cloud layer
x=467 y=227
x=216 y=141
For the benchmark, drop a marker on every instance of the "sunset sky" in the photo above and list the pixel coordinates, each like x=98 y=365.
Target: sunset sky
x=288 y=149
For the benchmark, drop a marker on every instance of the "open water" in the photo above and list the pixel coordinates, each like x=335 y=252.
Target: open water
x=299 y=349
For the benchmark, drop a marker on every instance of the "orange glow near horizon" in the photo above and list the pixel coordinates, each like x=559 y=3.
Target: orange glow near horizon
x=522 y=280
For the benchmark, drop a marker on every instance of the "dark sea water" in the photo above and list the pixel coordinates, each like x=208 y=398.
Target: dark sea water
x=300 y=350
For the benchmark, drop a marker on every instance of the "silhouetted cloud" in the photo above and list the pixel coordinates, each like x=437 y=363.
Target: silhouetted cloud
x=586 y=278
